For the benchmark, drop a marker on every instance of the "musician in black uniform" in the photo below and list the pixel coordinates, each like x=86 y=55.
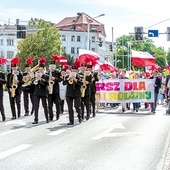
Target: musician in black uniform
x=14 y=87
x=95 y=78
x=2 y=82
x=28 y=87
x=53 y=88
x=86 y=77
x=41 y=92
x=73 y=93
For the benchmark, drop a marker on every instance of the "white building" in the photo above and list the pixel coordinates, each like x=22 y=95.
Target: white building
x=8 y=43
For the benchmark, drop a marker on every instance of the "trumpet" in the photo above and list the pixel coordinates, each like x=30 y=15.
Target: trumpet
x=71 y=76
x=38 y=76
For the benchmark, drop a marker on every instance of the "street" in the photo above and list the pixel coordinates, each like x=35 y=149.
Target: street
x=111 y=141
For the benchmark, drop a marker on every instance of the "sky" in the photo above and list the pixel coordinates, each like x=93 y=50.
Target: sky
x=121 y=15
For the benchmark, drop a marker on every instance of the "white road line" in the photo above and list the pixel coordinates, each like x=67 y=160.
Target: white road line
x=57 y=132
x=14 y=150
x=8 y=132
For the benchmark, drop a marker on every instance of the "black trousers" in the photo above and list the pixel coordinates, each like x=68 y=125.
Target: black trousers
x=2 y=107
x=77 y=105
x=93 y=103
x=54 y=98
x=17 y=100
x=27 y=95
x=85 y=102
x=62 y=106
x=36 y=106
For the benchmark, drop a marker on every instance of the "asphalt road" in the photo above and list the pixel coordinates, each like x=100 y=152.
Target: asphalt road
x=110 y=141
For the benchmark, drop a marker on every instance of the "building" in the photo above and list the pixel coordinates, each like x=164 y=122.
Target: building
x=85 y=32
x=8 y=43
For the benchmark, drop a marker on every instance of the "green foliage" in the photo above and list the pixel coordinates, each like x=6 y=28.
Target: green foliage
x=124 y=43
x=45 y=42
x=70 y=58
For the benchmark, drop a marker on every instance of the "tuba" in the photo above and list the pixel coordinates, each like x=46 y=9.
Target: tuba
x=84 y=86
x=14 y=84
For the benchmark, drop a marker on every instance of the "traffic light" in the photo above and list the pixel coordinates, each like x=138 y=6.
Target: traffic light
x=168 y=33
x=21 y=31
x=110 y=47
x=138 y=33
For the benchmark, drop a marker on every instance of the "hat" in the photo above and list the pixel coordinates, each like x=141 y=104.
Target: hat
x=74 y=67
x=52 y=62
x=28 y=62
x=15 y=61
x=42 y=62
x=63 y=69
x=89 y=66
x=3 y=61
x=55 y=58
x=84 y=64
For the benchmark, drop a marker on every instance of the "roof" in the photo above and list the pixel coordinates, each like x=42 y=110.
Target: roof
x=80 y=23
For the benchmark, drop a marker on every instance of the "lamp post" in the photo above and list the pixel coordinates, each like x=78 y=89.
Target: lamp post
x=88 y=28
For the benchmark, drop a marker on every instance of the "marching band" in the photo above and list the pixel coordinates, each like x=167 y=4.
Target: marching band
x=53 y=87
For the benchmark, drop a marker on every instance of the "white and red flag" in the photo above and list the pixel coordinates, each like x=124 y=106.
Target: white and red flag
x=142 y=59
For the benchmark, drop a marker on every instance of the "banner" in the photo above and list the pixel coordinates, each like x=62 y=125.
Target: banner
x=124 y=91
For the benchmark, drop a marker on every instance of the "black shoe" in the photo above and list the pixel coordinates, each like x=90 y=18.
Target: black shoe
x=3 y=118
x=79 y=120
x=14 y=117
x=51 y=119
x=26 y=114
x=58 y=117
x=87 y=117
x=35 y=122
x=47 y=121
x=32 y=112
x=94 y=114
x=70 y=123
x=19 y=115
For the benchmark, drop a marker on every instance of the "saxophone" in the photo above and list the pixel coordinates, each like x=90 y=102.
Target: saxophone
x=14 y=84
x=51 y=82
x=84 y=86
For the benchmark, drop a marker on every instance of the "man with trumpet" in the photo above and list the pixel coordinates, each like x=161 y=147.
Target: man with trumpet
x=53 y=89
x=28 y=86
x=41 y=90
x=14 y=87
x=86 y=78
x=73 y=93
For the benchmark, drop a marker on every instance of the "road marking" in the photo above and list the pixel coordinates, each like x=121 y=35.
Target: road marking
x=14 y=150
x=17 y=122
x=8 y=132
x=106 y=132
x=57 y=132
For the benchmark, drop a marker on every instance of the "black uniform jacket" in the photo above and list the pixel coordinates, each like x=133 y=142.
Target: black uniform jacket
x=58 y=78
x=19 y=85
x=41 y=88
x=2 y=82
x=95 y=78
x=88 y=86
x=157 y=83
x=73 y=90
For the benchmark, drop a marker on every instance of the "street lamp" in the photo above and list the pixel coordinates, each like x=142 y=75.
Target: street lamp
x=88 y=28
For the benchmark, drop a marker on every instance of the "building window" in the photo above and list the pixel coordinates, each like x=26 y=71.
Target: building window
x=72 y=50
x=78 y=38
x=78 y=49
x=64 y=49
x=63 y=38
x=1 y=54
x=10 y=42
x=93 y=49
x=1 y=42
x=10 y=54
x=93 y=39
x=72 y=38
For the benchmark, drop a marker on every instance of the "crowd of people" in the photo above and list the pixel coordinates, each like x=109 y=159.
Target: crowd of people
x=75 y=86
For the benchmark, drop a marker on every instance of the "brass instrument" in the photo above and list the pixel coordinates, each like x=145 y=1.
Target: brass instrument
x=51 y=82
x=30 y=76
x=84 y=86
x=71 y=75
x=14 y=84
x=38 y=76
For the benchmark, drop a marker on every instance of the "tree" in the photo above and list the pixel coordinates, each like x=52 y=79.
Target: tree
x=124 y=43
x=45 y=42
